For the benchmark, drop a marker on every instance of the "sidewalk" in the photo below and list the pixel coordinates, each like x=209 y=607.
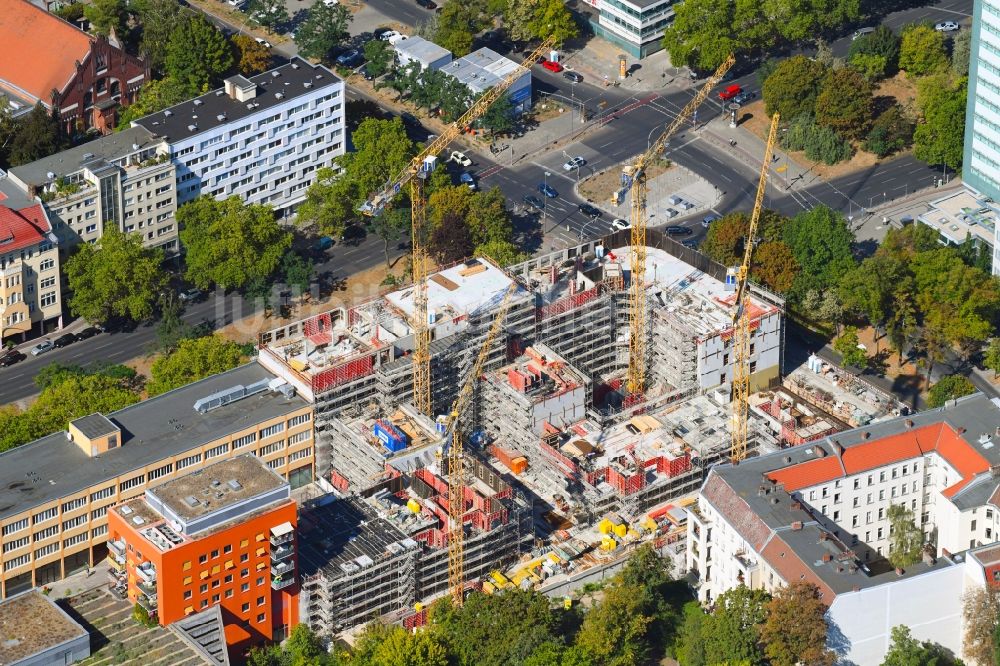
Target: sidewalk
x=598 y=61
x=80 y=582
x=749 y=149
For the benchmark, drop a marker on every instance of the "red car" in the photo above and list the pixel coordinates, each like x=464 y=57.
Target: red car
x=730 y=92
x=552 y=66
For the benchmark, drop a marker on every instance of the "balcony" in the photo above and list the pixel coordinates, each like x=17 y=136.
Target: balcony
x=149 y=589
x=282 y=568
x=280 y=539
x=282 y=583
x=147 y=602
x=146 y=572
x=116 y=551
x=281 y=553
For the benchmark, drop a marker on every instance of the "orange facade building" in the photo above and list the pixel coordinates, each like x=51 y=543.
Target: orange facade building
x=221 y=536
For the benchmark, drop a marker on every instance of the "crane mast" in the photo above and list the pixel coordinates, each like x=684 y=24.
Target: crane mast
x=634 y=181
x=456 y=461
x=741 y=315
x=413 y=174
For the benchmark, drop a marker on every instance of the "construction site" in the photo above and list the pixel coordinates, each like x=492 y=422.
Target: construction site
x=555 y=442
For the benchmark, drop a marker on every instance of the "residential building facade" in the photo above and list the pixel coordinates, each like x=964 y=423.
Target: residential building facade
x=125 y=179
x=30 y=296
x=819 y=512
x=981 y=156
x=220 y=536
x=260 y=138
x=83 y=79
x=54 y=516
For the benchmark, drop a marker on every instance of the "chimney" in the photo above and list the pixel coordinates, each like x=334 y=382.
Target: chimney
x=928 y=557
x=797 y=525
x=900 y=571
x=961 y=431
x=823 y=536
x=796 y=506
x=909 y=423
x=761 y=491
x=856 y=588
x=827 y=557
x=866 y=435
x=239 y=90
x=820 y=452
x=838 y=450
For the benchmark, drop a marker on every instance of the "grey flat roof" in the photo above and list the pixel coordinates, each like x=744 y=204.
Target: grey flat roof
x=154 y=429
x=421 y=49
x=288 y=79
x=111 y=147
x=94 y=425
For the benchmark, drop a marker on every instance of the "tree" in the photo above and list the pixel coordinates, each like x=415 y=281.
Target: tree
x=37 y=136
x=379 y=57
x=76 y=396
x=389 y=227
x=252 y=57
x=381 y=151
x=847 y=346
x=731 y=633
x=328 y=204
x=948 y=388
x=938 y=139
x=775 y=266
x=156 y=19
x=456 y=28
x=382 y=645
x=704 y=33
x=269 y=13
x=821 y=243
x=819 y=142
x=961 y=53
x=499 y=118
x=154 y=96
x=991 y=358
x=501 y=252
x=193 y=359
x=116 y=277
x=229 y=243
x=793 y=86
x=551 y=18
x=725 y=238
x=891 y=132
x=107 y=16
x=921 y=50
x=844 y=103
x=198 y=54
x=908 y=651
x=871 y=289
x=876 y=54
x=614 y=631
x=906 y=540
x=296 y=271
x=303 y=648
x=795 y=629
x=689 y=647
x=324 y=29
x=980 y=618
x=451 y=240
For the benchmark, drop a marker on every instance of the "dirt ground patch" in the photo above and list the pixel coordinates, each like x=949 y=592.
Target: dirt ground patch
x=757 y=121
x=900 y=88
x=600 y=186
x=548 y=110
x=888 y=359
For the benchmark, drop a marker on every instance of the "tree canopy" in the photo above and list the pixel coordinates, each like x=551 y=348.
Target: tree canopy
x=793 y=86
x=795 y=629
x=947 y=388
x=324 y=29
x=154 y=96
x=197 y=54
x=115 y=277
x=940 y=131
x=35 y=136
x=252 y=57
x=908 y=651
x=229 y=243
x=922 y=50
x=844 y=103
x=821 y=243
x=193 y=359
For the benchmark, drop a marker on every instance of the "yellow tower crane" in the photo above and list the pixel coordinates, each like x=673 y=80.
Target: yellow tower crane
x=741 y=315
x=420 y=167
x=456 y=461
x=634 y=180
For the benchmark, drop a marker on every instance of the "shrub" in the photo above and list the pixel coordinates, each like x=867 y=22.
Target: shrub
x=890 y=133
x=820 y=144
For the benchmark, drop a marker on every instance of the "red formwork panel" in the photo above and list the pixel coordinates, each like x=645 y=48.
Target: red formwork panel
x=415 y=621
x=569 y=467
x=338 y=481
x=566 y=304
x=319 y=324
x=345 y=372
x=432 y=480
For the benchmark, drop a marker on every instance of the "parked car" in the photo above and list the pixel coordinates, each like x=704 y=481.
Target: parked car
x=620 y=224
x=744 y=97
x=468 y=179
x=364 y=72
x=460 y=158
x=590 y=211
x=10 y=358
x=534 y=202
x=190 y=295
x=573 y=76
x=708 y=219
x=946 y=26
x=42 y=347
x=263 y=42
x=378 y=33
x=730 y=92
x=552 y=66
x=350 y=58
x=574 y=163
x=323 y=243
x=64 y=340
x=547 y=190
x=87 y=333
x=861 y=32
x=677 y=230
x=387 y=35
x=395 y=39
x=427 y=4
x=690 y=242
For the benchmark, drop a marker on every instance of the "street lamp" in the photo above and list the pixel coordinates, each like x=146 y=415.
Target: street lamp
x=545 y=197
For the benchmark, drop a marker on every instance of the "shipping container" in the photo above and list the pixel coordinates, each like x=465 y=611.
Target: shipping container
x=391 y=437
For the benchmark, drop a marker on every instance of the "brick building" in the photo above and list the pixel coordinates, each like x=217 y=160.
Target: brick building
x=221 y=536
x=84 y=79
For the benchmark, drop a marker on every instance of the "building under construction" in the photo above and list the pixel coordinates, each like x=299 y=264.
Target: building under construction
x=551 y=394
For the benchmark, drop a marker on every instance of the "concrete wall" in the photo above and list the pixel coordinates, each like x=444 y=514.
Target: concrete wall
x=70 y=652
x=930 y=605
x=712 y=353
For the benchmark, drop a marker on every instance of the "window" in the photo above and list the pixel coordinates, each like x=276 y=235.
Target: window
x=74 y=522
x=836 y=516
x=894 y=472
x=99 y=513
x=881 y=495
x=824 y=492
x=870 y=481
x=879 y=534
x=299 y=437
x=271 y=448
x=245 y=440
x=102 y=493
x=261 y=617
x=187 y=462
x=298 y=455
x=17 y=562
x=203 y=588
x=215 y=598
x=187 y=594
x=216 y=583
x=73 y=540
x=881 y=476
x=215 y=554
x=47 y=282
x=298 y=420
x=260 y=601
x=132 y=483
x=204 y=603
x=17 y=543
x=881 y=514
x=244 y=573
x=217 y=451
x=244 y=557
x=15 y=527
x=228 y=548
x=46 y=550
x=202 y=559
x=854 y=521
x=229 y=579
x=47 y=264
x=161 y=471
x=245 y=608
x=49 y=299
x=857 y=502
x=270 y=431
x=42 y=516
x=46 y=533
x=245 y=587
x=260 y=581
x=868 y=517
x=98 y=531
x=973 y=526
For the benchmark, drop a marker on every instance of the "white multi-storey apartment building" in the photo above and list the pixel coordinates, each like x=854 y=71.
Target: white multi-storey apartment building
x=819 y=512
x=981 y=159
x=259 y=138
x=635 y=25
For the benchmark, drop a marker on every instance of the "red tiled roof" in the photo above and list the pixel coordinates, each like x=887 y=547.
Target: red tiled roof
x=22 y=228
x=38 y=51
x=743 y=519
x=809 y=473
x=790 y=566
x=939 y=437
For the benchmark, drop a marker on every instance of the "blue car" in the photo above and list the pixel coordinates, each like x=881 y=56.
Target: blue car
x=547 y=190
x=351 y=58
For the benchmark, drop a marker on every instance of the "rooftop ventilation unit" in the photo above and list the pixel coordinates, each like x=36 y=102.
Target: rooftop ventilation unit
x=278 y=96
x=295 y=65
x=191 y=501
x=192 y=128
x=138 y=520
x=287 y=390
x=220 y=92
x=135 y=146
x=126 y=510
x=50 y=175
x=221 y=117
x=256 y=387
x=216 y=400
x=234 y=484
x=275 y=74
x=88 y=156
x=308 y=84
